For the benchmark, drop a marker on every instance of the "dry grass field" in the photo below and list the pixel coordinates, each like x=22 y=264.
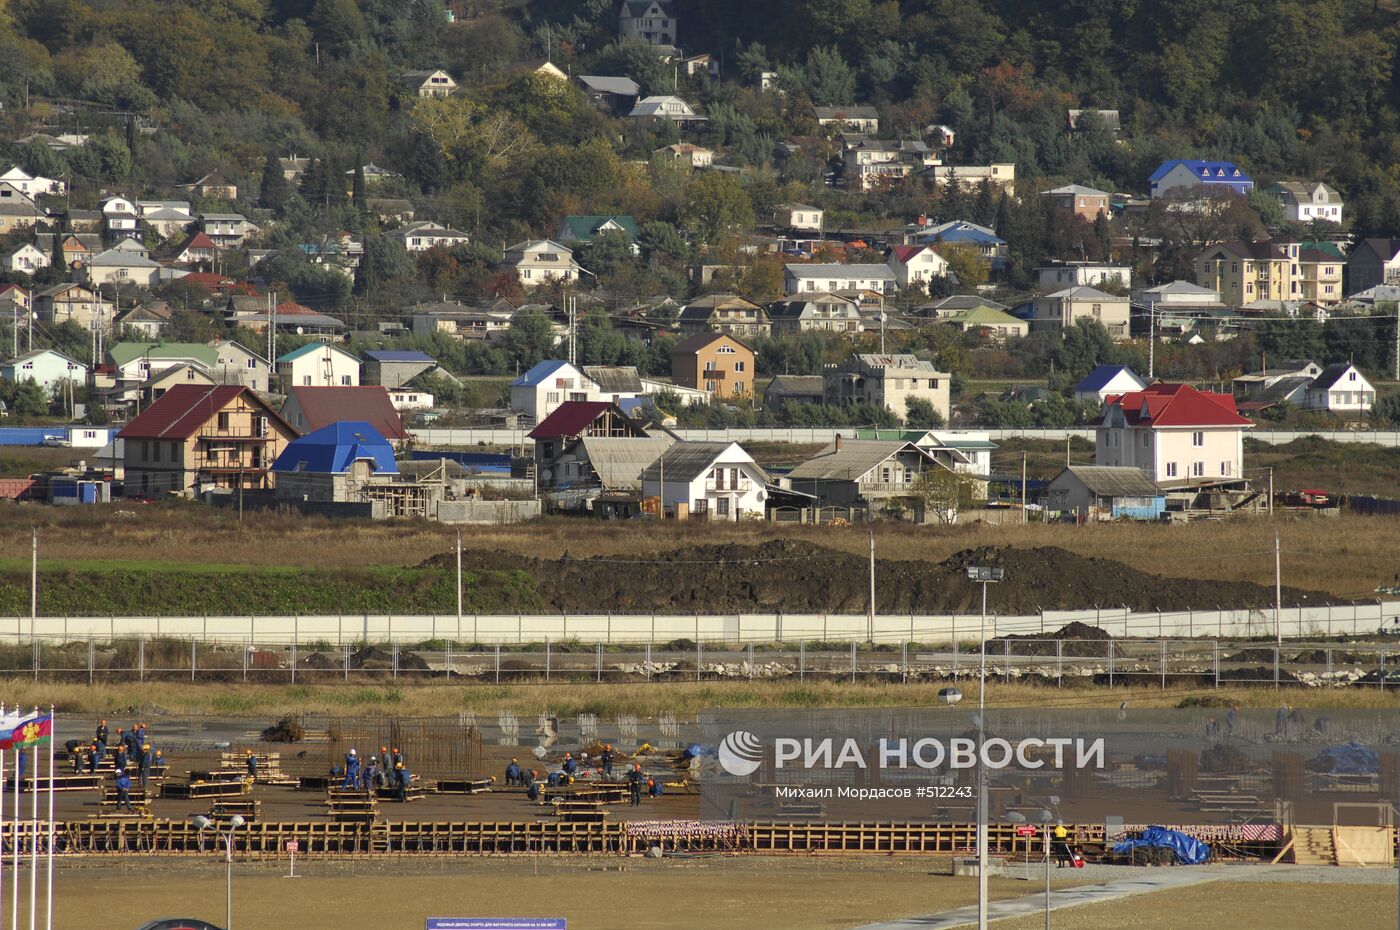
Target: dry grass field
x=1348 y=556
x=609 y=700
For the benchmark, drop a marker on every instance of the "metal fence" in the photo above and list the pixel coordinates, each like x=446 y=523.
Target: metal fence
x=442 y=436
x=1323 y=622
x=1155 y=663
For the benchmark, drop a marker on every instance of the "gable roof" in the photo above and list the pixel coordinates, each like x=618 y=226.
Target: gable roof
x=1206 y=171
x=1114 y=481
x=905 y=252
x=398 y=355
x=311 y=347
x=1083 y=292
x=184 y=408
x=615 y=379
x=585 y=228
x=855 y=111
x=985 y=316
x=606 y=84
x=123 y=353
x=692 y=344
x=619 y=460
x=1076 y=190
x=39 y=353
x=1099 y=378
x=322 y=406
x=539 y=372
x=333 y=449
x=686 y=461
x=570 y=418
x=1330 y=376
x=852 y=459
x=1179 y=405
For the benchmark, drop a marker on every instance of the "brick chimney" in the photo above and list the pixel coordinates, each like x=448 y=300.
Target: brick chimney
x=838 y=442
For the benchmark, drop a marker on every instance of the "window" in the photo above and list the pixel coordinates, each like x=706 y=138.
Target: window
x=1198 y=438
x=345 y=381
x=252 y=363
x=1225 y=469
x=1145 y=440
x=738 y=366
x=1351 y=376
x=551 y=397
x=174 y=452
x=1198 y=469
x=1171 y=469
x=223 y=421
x=156 y=450
x=722 y=506
x=306 y=381
x=702 y=505
x=738 y=387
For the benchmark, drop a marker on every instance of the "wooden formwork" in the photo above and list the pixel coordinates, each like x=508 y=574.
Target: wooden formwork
x=897 y=838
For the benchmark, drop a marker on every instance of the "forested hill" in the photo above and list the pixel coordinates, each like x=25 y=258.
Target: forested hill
x=1303 y=88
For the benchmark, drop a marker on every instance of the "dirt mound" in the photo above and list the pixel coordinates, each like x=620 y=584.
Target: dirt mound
x=1080 y=642
x=286 y=730
x=795 y=576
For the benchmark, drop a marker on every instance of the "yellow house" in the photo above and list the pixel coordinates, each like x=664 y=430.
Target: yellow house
x=1243 y=272
x=198 y=437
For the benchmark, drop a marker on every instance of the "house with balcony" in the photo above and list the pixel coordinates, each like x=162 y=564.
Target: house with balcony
x=425 y=235
x=428 y=83
x=651 y=21
x=227 y=230
x=576 y=447
x=1320 y=268
x=1057 y=275
x=872 y=164
x=827 y=313
x=1175 y=434
x=540 y=261
x=864 y=472
x=1305 y=201
x=724 y=313
x=716 y=481
x=715 y=363
x=665 y=106
x=888 y=381
x=854 y=118
x=73 y=303
x=202 y=437
x=1245 y=272
x=119 y=219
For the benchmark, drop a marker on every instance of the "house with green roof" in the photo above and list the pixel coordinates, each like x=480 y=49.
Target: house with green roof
x=138 y=361
x=584 y=228
x=995 y=324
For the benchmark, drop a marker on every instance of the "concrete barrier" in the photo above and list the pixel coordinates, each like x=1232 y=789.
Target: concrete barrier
x=488 y=512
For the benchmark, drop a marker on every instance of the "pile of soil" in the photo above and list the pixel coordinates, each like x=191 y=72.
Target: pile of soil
x=794 y=576
x=1080 y=639
x=1223 y=757
x=286 y=730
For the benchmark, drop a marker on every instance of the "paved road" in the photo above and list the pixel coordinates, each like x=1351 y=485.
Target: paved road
x=1144 y=882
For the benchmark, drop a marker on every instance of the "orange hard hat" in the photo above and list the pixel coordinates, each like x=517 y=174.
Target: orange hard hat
x=568 y=755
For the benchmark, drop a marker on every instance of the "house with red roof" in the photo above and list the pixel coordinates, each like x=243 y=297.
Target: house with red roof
x=915 y=264
x=1177 y=435
x=198 y=437
x=196 y=249
x=578 y=431
x=311 y=408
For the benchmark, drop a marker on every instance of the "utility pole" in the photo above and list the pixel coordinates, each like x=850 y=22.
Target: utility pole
x=1151 y=343
x=870 y=633
x=1278 y=598
x=34 y=586
x=1271 y=490
x=1067 y=439
x=1025 y=517
x=1397 y=342
x=459 y=580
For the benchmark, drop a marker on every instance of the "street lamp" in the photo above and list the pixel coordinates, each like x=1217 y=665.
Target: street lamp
x=203 y=823
x=983 y=575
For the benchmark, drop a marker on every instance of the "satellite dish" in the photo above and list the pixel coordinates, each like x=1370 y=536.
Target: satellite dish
x=950 y=696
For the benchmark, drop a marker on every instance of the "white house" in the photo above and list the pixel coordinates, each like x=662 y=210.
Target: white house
x=239 y=365
x=1305 y=201
x=544 y=387
x=119 y=218
x=44 y=367
x=31 y=185
x=800 y=217
x=1106 y=381
x=652 y=21
x=119 y=266
x=1063 y=309
x=318 y=364
x=916 y=264
x=436 y=83
x=707 y=481
x=665 y=106
x=1175 y=434
x=407 y=398
x=422 y=236
x=1057 y=276
x=25 y=259
x=834 y=277
x=540 y=261
x=1341 y=389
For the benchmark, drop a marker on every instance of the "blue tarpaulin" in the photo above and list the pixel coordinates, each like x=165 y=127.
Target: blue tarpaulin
x=1189 y=850
x=1351 y=759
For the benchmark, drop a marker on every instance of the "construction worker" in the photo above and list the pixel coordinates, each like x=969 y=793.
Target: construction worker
x=635 y=780
x=100 y=737
x=534 y=790
x=94 y=756
x=352 y=770
x=402 y=778
x=118 y=758
x=570 y=766
x=1281 y=721
x=1231 y=716
x=606 y=759
x=369 y=778
x=123 y=791
x=159 y=759
x=129 y=741
x=1060 y=846
x=556 y=779
x=147 y=759
x=138 y=736
x=514 y=776
x=654 y=788
x=251 y=761
x=395 y=758
x=121 y=738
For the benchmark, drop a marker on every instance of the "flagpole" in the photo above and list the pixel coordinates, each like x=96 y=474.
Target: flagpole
x=34 y=835
x=14 y=872
x=2 y=823
x=48 y=907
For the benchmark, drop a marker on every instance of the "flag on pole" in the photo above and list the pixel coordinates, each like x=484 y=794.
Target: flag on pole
x=35 y=731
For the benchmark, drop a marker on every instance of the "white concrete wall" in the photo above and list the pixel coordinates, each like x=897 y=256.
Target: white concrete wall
x=726 y=628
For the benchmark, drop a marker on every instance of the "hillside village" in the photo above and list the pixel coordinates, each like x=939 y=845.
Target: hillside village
x=637 y=233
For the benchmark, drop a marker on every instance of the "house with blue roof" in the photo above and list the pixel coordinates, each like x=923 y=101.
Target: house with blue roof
x=1105 y=381
x=334 y=463
x=539 y=392
x=1185 y=175
x=394 y=367
x=961 y=232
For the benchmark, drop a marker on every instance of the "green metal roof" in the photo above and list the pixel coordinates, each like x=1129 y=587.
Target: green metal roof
x=584 y=227
x=312 y=347
x=986 y=316
x=124 y=353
